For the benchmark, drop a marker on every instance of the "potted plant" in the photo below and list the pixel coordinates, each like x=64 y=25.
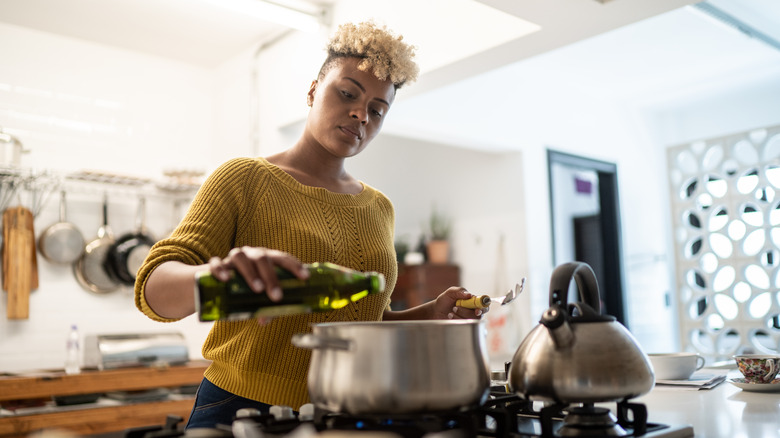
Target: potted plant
x=401 y=249
x=438 y=247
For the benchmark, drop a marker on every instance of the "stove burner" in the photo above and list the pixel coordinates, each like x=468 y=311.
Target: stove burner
x=590 y=421
x=508 y=415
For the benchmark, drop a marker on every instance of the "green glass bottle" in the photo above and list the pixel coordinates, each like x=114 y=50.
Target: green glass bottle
x=328 y=287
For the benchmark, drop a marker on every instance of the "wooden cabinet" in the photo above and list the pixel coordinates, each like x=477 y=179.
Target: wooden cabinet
x=94 y=418
x=418 y=284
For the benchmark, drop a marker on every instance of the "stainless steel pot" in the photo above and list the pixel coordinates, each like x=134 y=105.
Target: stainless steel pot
x=11 y=150
x=397 y=367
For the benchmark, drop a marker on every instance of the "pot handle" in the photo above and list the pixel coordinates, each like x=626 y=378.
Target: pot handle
x=311 y=341
x=586 y=284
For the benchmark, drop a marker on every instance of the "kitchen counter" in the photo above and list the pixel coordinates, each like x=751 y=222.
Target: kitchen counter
x=724 y=411
x=129 y=408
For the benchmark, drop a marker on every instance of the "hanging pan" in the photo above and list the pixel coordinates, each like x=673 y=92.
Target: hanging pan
x=89 y=268
x=128 y=253
x=61 y=243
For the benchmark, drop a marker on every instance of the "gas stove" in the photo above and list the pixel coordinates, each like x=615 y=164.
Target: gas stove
x=502 y=416
x=509 y=416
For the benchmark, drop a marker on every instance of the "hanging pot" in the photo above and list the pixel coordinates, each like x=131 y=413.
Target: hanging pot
x=397 y=367
x=11 y=150
x=576 y=354
x=89 y=268
x=129 y=251
x=62 y=242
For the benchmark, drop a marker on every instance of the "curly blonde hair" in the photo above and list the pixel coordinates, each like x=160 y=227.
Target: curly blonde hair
x=383 y=53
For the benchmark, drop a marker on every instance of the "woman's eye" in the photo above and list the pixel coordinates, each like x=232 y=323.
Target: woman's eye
x=347 y=94
x=377 y=113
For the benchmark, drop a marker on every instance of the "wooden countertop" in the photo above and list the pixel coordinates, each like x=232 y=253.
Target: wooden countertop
x=89 y=382
x=95 y=418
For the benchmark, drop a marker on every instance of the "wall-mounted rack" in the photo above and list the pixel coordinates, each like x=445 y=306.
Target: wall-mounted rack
x=33 y=187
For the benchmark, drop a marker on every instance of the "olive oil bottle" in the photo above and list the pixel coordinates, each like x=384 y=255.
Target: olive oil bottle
x=328 y=287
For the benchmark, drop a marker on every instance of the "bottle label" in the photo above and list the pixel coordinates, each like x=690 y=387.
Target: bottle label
x=285 y=309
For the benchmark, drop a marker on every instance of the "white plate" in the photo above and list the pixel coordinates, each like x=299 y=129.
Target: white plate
x=739 y=382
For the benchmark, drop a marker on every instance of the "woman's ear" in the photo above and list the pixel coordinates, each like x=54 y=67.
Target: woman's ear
x=310 y=94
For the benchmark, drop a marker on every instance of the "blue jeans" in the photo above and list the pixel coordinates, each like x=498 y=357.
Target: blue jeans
x=214 y=405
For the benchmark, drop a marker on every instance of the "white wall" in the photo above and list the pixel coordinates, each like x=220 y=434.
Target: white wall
x=737 y=108
x=78 y=105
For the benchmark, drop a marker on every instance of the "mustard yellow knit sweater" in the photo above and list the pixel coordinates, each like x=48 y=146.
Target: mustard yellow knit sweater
x=252 y=202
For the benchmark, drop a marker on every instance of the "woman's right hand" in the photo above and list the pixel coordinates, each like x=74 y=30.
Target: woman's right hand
x=256 y=265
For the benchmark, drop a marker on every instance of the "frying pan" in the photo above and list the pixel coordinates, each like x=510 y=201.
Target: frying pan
x=129 y=251
x=62 y=242
x=89 y=268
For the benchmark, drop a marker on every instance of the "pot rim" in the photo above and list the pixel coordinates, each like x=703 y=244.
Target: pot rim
x=403 y=323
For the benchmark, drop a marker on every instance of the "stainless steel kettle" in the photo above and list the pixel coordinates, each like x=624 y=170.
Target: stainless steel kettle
x=577 y=355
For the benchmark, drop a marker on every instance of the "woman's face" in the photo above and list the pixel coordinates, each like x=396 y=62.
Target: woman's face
x=348 y=108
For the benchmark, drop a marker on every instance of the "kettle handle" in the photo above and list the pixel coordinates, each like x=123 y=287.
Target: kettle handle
x=586 y=284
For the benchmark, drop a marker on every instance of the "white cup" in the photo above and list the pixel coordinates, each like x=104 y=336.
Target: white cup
x=675 y=366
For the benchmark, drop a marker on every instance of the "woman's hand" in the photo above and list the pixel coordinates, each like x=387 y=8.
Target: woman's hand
x=257 y=267
x=444 y=307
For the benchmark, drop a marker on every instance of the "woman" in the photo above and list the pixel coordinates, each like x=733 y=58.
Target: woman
x=298 y=206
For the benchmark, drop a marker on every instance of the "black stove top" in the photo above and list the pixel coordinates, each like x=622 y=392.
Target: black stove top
x=507 y=416
x=502 y=416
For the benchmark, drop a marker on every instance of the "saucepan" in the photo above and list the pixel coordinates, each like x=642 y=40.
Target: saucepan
x=397 y=367
x=11 y=150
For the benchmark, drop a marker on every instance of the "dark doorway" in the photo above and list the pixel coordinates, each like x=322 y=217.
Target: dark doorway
x=585 y=217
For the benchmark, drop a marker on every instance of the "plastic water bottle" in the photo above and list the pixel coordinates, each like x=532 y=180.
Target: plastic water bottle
x=73 y=352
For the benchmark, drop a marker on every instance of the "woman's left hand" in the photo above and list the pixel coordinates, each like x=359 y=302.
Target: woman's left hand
x=444 y=307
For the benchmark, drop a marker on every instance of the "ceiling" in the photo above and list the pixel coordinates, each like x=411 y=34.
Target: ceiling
x=659 y=63
x=618 y=53
x=195 y=32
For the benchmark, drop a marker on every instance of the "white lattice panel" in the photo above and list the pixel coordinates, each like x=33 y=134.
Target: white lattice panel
x=725 y=203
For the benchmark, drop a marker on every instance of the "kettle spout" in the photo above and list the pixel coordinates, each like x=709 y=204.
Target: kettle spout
x=554 y=319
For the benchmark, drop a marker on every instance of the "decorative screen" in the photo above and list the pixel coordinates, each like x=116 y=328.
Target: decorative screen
x=725 y=202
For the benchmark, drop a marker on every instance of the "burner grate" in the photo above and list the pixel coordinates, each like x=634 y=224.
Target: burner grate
x=509 y=416
x=408 y=426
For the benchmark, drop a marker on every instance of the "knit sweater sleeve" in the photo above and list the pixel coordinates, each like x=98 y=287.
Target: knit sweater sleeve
x=207 y=230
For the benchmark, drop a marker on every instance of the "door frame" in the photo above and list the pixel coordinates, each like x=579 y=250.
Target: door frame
x=609 y=207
